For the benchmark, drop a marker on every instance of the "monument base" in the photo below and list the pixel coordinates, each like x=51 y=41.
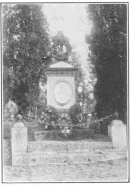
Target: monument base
x=76 y=134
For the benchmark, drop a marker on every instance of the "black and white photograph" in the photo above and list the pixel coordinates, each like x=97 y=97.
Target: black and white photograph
x=65 y=92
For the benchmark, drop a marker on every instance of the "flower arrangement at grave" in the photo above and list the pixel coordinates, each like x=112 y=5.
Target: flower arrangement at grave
x=65 y=120
x=66 y=131
x=48 y=117
x=65 y=124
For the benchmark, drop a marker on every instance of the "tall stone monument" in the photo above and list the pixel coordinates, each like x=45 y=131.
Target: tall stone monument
x=61 y=90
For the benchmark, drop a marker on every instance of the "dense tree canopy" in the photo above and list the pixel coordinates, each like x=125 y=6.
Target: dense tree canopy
x=26 y=50
x=108 y=45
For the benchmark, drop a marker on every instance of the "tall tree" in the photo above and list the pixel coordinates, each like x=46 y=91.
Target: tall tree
x=61 y=48
x=108 y=45
x=26 y=48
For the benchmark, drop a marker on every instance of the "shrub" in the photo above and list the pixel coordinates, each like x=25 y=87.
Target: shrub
x=54 y=114
x=74 y=113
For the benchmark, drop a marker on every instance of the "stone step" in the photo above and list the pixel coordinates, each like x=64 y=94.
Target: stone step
x=66 y=146
x=70 y=158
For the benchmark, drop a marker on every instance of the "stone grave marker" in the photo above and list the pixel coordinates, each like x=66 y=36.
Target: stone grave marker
x=19 y=140
x=117 y=133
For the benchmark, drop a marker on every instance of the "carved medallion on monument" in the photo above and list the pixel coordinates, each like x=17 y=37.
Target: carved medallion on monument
x=63 y=92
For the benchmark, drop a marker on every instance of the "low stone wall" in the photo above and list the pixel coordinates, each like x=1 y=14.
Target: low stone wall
x=31 y=129
x=76 y=134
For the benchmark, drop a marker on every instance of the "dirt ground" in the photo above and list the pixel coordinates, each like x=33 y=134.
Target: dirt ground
x=113 y=169
x=106 y=171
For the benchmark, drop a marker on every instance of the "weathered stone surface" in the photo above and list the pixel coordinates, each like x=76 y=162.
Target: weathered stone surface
x=61 y=91
x=7 y=155
x=52 y=82
x=117 y=133
x=19 y=140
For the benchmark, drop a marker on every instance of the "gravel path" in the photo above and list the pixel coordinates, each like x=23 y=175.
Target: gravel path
x=106 y=171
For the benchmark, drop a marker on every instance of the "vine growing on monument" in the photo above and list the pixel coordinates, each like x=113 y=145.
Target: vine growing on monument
x=108 y=46
x=86 y=79
x=26 y=51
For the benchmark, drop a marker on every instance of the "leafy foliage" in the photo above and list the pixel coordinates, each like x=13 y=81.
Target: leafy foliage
x=108 y=45
x=26 y=47
x=61 y=47
x=74 y=113
x=54 y=114
x=86 y=79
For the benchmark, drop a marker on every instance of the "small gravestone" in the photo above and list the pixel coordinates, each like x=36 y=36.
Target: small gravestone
x=19 y=140
x=117 y=133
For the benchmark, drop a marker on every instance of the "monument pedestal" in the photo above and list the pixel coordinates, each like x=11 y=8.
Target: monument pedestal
x=61 y=90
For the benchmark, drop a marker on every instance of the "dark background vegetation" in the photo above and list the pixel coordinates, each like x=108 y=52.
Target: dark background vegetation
x=27 y=51
x=108 y=45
